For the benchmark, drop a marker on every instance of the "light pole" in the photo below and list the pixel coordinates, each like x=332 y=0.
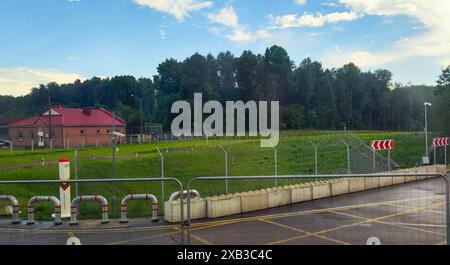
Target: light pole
x=426 y=159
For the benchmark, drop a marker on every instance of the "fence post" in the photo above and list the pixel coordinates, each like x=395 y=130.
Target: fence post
x=226 y=168
x=434 y=155
x=32 y=145
x=389 y=160
x=348 y=157
x=374 y=161
x=75 y=160
x=445 y=155
x=162 y=176
x=276 y=165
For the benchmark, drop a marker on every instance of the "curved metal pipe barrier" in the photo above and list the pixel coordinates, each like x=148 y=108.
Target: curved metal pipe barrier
x=134 y=197
x=58 y=181
x=35 y=199
x=98 y=198
x=15 y=206
x=444 y=177
x=185 y=192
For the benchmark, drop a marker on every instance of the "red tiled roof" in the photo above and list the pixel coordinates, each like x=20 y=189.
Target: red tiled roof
x=73 y=116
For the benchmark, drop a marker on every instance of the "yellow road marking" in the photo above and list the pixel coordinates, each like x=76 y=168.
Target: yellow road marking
x=305 y=232
x=391 y=224
x=348 y=225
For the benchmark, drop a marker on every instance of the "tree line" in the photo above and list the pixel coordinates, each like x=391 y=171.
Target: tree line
x=310 y=95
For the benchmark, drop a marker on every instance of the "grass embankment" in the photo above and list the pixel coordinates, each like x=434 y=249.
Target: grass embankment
x=185 y=160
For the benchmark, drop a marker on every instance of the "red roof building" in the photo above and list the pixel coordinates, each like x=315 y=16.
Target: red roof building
x=70 y=127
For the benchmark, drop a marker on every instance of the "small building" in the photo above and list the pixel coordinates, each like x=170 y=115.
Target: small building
x=4 y=122
x=70 y=127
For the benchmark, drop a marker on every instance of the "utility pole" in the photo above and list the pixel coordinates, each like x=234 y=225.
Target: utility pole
x=49 y=120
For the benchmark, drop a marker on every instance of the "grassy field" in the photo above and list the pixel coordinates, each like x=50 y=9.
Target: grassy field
x=187 y=159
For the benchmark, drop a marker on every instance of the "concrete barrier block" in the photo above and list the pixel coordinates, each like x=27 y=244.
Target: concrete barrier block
x=398 y=180
x=339 y=187
x=410 y=179
x=371 y=183
x=386 y=181
x=254 y=200
x=172 y=210
x=224 y=205
x=301 y=192
x=321 y=189
x=279 y=196
x=356 y=184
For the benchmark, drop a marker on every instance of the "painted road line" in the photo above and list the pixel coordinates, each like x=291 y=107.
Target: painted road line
x=348 y=225
x=304 y=232
x=393 y=224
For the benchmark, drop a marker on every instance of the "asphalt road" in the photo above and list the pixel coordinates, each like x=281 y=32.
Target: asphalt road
x=412 y=213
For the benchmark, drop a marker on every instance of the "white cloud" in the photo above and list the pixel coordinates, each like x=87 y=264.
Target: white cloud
x=433 y=43
x=178 y=8
x=300 y=2
x=228 y=18
x=19 y=81
x=242 y=35
x=311 y=20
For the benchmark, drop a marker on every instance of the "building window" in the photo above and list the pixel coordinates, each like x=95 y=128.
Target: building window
x=19 y=136
x=31 y=134
x=108 y=131
x=99 y=131
x=82 y=132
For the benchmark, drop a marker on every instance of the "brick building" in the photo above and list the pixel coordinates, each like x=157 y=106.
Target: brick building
x=70 y=127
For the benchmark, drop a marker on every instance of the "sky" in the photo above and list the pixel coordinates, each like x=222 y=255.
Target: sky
x=63 y=40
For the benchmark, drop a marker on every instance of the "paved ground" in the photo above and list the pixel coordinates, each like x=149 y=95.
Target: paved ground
x=412 y=213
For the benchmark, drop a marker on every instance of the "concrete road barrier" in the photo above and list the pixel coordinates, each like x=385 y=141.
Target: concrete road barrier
x=172 y=210
x=279 y=196
x=386 y=181
x=321 y=189
x=223 y=205
x=254 y=200
x=356 y=184
x=301 y=192
x=371 y=183
x=339 y=187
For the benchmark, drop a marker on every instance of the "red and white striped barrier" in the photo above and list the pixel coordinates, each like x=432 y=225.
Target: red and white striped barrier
x=177 y=194
x=133 y=197
x=15 y=206
x=382 y=145
x=98 y=198
x=35 y=199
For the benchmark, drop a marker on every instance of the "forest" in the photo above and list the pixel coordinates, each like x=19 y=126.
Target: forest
x=310 y=95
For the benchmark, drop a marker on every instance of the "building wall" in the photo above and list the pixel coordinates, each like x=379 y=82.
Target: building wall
x=64 y=136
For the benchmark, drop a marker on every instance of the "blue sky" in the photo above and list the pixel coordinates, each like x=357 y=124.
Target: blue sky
x=61 y=40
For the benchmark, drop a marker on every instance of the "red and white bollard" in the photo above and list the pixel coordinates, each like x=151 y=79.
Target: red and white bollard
x=64 y=188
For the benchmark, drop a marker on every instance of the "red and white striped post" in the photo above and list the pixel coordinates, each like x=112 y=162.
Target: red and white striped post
x=64 y=188
x=440 y=142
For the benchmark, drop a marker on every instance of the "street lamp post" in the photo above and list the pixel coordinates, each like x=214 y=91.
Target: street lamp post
x=426 y=159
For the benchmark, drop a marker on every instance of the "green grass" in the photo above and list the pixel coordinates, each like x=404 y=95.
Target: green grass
x=185 y=160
